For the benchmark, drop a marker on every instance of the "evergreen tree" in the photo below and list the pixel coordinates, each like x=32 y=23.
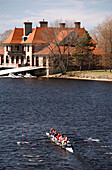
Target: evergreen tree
x=83 y=50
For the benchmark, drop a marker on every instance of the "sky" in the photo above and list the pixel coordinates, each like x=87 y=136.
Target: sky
x=13 y=13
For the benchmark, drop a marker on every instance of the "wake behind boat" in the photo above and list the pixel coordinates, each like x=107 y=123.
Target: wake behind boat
x=67 y=147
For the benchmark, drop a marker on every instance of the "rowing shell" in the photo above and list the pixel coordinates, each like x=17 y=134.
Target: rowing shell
x=68 y=147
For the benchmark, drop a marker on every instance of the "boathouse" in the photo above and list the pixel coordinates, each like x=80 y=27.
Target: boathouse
x=29 y=46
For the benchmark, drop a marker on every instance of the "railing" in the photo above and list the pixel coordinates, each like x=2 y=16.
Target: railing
x=16 y=52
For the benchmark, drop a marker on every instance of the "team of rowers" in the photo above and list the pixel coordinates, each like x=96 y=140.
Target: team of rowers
x=59 y=137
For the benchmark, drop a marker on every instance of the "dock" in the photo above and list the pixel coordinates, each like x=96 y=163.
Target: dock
x=19 y=70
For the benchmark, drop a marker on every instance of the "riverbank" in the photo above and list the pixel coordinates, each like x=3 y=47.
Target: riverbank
x=95 y=75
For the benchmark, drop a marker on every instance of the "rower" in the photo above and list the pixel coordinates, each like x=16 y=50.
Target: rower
x=55 y=133
x=51 y=131
x=58 y=136
x=64 y=141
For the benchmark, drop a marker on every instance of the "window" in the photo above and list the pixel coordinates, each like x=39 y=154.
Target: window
x=12 y=59
x=7 y=59
x=7 y=48
x=11 y=48
x=37 y=61
x=28 y=48
x=17 y=60
x=28 y=59
x=22 y=48
x=2 y=60
x=17 y=47
x=22 y=60
x=44 y=61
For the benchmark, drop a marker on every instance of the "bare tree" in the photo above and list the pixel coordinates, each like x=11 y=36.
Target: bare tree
x=3 y=36
x=103 y=35
x=59 y=41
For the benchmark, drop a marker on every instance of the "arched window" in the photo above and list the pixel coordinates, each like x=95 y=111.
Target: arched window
x=7 y=59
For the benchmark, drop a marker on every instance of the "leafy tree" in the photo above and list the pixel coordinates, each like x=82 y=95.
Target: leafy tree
x=83 y=50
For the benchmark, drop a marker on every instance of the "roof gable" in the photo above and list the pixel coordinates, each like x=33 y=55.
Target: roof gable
x=15 y=36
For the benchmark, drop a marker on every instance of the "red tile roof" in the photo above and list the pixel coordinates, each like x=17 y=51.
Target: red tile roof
x=36 y=36
x=42 y=35
x=47 y=34
x=15 y=36
x=53 y=49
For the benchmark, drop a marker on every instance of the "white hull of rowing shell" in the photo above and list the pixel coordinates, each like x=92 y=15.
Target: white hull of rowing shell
x=69 y=149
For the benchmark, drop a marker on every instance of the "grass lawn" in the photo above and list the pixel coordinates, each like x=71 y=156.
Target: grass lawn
x=92 y=73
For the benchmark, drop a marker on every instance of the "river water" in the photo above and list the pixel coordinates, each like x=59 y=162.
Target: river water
x=31 y=107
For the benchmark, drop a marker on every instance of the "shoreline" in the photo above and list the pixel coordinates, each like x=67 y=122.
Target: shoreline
x=78 y=78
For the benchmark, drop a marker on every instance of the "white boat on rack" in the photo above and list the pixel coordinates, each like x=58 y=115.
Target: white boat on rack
x=11 y=75
x=67 y=147
x=28 y=75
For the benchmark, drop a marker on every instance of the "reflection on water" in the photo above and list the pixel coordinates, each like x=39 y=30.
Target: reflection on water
x=32 y=106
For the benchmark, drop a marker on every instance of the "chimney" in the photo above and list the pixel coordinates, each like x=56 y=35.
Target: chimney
x=77 y=24
x=43 y=23
x=62 y=25
x=27 y=28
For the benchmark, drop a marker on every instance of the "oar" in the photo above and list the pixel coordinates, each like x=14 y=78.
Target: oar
x=29 y=142
x=83 y=139
x=41 y=138
x=86 y=140
x=23 y=142
x=23 y=136
x=34 y=144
